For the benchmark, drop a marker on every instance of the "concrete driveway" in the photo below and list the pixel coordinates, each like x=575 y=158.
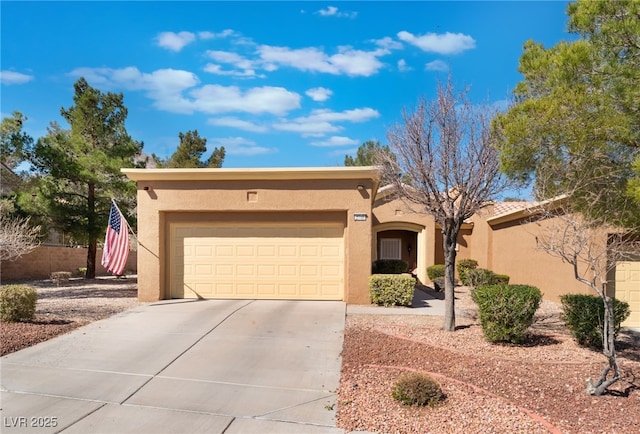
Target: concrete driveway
x=232 y=366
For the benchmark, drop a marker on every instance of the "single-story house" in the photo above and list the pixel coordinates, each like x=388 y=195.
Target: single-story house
x=313 y=233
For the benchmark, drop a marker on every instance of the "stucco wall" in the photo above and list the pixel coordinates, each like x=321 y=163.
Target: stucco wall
x=512 y=250
x=41 y=262
x=312 y=198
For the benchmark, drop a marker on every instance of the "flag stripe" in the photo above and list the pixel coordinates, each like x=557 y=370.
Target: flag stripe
x=116 y=242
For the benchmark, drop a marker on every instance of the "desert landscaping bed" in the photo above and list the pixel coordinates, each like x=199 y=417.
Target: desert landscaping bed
x=67 y=305
x=534 y=388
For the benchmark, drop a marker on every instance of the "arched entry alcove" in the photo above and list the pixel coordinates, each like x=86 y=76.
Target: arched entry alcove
x=402 y=240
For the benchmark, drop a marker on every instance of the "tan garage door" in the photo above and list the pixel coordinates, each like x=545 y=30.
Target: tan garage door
x=628 y=289
x=258 y=261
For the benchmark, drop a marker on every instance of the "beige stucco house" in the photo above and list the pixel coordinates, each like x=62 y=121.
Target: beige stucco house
x=313 y=233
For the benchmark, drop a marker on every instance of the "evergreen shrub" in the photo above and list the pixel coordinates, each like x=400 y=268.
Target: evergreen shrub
x=506 y=311
x=584 y=316
x=390 y=266
x=477 y=277
x=17 y=303
x=463 y=266
x=391 y=289
x=435 y=271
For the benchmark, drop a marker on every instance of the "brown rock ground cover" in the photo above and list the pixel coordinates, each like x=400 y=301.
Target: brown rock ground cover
x=534 y=388
x=67 y=306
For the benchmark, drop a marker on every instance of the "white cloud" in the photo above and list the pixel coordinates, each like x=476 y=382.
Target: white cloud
x=354 y=115
x=319 y=94
x=230 y=57
x=307 y=128
x=347 y=61
x=164 y=86
x=12 y=77
x=403 y=67
x=167 y=87
x=321 y=122
x=332 y=11
x=245 y=67
x=214 y=98
x=175 y=41
x=211 y=35
x=241 y=146
x=444 y=43
x=213 y=68
x=437 y=65
x=388 y=43
x=233 y=122
x=336 y=141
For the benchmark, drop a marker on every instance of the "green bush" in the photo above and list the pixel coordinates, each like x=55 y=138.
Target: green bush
x=506 y=311
x=435 y=271
x=501 y=279
x=17 y=303
x=417 y=389
x=477 y=277
x=463 y=266
x=584 y=316
x=389 y=266
x=438 y=284
x=82 y=271
x=391 y=289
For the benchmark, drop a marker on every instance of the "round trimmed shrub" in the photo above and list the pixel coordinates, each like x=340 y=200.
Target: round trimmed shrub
x=415 y=388
x=435 y=271
x=17 y=303
x=477 y=277
x=463 y=266
x=583 y=315
x=391 y=289
x=506 y=311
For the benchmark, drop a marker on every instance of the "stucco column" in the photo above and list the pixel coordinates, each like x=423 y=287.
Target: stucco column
x=425 y=255
x=150 y=286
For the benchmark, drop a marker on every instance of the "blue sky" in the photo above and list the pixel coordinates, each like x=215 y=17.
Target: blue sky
x=279 y=84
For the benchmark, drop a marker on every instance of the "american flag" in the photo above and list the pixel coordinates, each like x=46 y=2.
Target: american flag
x=116 y=242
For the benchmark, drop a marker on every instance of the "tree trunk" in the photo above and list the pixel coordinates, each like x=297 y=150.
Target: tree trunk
x=608 y=349
x=450 y=236
x=91 y=225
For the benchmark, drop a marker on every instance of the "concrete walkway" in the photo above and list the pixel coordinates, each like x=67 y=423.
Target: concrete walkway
x=218 y=366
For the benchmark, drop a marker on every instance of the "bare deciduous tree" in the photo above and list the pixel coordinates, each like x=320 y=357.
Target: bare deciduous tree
x=17 y=237
x=445 y=166
x=593 y=249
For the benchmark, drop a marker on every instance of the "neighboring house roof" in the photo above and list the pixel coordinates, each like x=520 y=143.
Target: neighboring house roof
x=500 y=208
x=510 y=211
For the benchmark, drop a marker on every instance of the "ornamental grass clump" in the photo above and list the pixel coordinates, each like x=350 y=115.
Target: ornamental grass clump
x=17 y=303
x=418 y=389
x=506 y=311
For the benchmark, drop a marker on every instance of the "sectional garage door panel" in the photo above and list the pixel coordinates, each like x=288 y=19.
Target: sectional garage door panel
x=257 y=261
x=628 y=289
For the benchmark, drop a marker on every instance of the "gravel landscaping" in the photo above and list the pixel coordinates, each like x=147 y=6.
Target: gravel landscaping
x=67 y=306
x=534 y=388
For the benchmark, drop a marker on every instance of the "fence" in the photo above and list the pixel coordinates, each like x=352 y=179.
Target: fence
x=41 y=262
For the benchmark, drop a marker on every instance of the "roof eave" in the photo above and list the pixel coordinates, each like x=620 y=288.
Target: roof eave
x=273 y=173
